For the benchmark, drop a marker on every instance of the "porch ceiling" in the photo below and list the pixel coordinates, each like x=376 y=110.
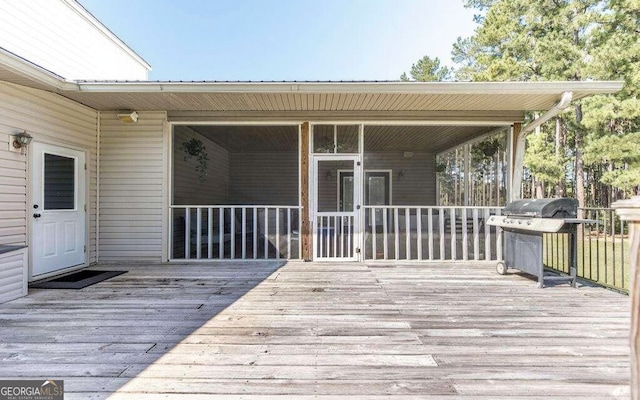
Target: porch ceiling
x=494 y=101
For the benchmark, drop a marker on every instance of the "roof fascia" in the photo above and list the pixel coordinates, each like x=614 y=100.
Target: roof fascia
x=470 y=88
x=31 y=71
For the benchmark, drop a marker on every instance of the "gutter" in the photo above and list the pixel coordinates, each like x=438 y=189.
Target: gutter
x=565 y=101
x=468 y=88
x=518 y=160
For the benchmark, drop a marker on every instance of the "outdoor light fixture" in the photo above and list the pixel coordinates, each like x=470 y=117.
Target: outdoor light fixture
x=21 y=140
x=401 y=175
x=128 y=117
x=328 y=176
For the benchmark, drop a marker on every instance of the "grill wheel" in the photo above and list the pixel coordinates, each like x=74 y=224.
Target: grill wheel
x=501 y=267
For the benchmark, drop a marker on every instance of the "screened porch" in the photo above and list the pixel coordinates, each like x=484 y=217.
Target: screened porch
x=375 y=192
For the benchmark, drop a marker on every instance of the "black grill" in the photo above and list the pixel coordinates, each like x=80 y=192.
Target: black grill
x=543 y=208
x=525 y=222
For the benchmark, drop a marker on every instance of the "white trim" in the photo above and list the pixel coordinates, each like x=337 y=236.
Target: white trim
x=167 y=140
x=98 y=145
x=27 y=69
x=468 y=88
x=234 y=123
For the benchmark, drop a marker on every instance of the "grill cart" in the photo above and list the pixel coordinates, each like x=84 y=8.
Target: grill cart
x=524 y=223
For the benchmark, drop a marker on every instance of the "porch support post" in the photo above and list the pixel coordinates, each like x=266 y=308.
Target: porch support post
x=305 y=231
x=516 y=161
x=629 y=210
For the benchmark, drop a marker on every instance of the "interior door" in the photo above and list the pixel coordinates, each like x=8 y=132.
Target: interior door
x=336 y=208
x=58 y=210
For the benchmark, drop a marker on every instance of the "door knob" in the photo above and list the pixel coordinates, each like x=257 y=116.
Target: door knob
x=36 y=215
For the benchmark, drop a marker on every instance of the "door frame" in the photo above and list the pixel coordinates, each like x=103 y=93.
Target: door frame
x=364 y=183
x=85 y=193
x=357 y=193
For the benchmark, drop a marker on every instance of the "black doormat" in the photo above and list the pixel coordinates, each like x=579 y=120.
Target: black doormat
x=77 y=280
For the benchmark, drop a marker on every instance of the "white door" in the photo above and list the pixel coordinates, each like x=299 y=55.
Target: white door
x=58 y=210
x=336 y=212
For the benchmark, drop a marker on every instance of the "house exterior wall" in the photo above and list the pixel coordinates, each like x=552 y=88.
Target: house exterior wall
x=61 y=36
x=188 y=189
x=52 y=119
x=13 y=275
x=133 y=187
x=418 y=186
x=265 y=178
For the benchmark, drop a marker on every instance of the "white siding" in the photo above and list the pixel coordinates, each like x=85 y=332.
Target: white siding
x=132 y=187
x=62 y=37
x=48 y=118
x=13 y=275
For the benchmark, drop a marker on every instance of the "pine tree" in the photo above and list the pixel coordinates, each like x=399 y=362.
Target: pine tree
x=428 y=69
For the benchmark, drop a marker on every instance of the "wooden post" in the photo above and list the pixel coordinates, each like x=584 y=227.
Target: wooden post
x=305 y=234
x=515 y=162
x=629 y=210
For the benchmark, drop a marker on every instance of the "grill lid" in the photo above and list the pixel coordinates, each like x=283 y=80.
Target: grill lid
x=543 y=208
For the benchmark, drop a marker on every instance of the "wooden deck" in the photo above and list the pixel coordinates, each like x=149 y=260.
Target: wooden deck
x=320 y=331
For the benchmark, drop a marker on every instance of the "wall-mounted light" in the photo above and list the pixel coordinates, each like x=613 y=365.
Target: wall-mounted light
x=401 y=175
x=128 y=117
x=329 y=176
x=21 y=140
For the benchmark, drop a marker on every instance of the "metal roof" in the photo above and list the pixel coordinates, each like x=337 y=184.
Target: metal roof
x=388 y=100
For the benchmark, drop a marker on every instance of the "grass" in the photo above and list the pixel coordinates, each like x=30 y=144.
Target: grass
x=604 y=260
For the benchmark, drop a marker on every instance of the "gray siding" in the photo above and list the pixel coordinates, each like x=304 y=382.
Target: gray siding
x=187 y=187
x=418 y=188
x=264 y=178
x=132 y=187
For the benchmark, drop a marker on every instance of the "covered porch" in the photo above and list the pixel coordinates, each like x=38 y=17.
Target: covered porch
x=277 y=329
x=413 y=191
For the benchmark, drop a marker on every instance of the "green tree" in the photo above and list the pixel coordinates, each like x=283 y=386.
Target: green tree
x=613 y=122
x=555 y=40
x=428 y=69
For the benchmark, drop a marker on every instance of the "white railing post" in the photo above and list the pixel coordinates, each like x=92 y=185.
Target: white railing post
x=187 y=233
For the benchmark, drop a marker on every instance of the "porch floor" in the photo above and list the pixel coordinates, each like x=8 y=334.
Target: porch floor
x=262 y=330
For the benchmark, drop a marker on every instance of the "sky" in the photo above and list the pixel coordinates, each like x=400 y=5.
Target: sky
x=285 y=39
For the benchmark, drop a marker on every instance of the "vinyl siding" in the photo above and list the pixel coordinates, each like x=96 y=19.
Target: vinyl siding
x=417 y=188
x=62 y=38
x=187 y=187
x=13 y=275
x=264 y=178
x=49 y=118
x=132 y=187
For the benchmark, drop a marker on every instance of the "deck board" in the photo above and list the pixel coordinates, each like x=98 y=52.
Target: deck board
x=265 y=330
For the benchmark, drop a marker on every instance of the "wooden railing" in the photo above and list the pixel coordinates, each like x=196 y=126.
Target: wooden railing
x=629 y=210
x=430 y=233
x=235 y=232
